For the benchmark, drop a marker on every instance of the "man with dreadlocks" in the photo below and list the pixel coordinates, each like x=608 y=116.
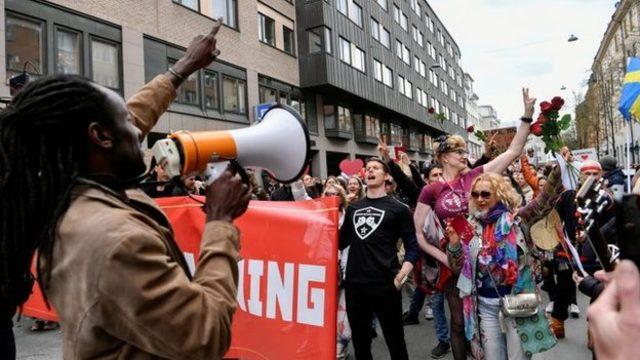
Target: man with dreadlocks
x=70 y=159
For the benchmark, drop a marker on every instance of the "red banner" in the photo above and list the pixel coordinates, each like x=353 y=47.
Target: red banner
x=287 y=293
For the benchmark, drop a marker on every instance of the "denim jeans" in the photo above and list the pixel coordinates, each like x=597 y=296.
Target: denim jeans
x=498 y=345
x=440 y=317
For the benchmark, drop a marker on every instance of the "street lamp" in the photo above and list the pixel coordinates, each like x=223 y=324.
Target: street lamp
x=563 y=87
x=572 y=38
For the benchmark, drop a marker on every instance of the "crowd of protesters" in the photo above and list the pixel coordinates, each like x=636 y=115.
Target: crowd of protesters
x=459 y=230
x=422 y=239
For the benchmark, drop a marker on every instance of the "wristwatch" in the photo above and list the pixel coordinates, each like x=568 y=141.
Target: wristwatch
x=528 y=120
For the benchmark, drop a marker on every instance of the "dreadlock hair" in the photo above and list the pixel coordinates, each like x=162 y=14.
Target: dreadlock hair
x=42 y=144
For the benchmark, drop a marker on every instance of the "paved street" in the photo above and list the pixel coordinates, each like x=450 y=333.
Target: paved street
x=420 y=339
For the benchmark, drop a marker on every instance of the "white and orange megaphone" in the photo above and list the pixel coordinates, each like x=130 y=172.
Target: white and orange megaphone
x=279 y=144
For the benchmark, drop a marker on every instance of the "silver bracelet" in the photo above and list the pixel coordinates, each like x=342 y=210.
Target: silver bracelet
x=175 y=73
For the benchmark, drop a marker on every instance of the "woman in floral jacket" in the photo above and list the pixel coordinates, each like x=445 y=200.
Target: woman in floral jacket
x=496 y=239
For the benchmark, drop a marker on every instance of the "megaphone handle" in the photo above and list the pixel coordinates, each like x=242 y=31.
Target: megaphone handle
x=215 y=169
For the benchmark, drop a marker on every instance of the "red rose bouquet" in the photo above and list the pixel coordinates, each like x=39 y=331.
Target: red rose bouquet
x=549 y=125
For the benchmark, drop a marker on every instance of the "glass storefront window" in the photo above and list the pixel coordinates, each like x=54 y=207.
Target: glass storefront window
x=211 y=98
x=188 y=91
x=234 y=95
x=104 y=64
x=344 y=118
x=396 y=134
x=23 y=46
x=67 y=52
x=267 y=95
x=329 y=117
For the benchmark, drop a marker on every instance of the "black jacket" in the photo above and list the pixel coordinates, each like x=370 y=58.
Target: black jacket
x=616 y=177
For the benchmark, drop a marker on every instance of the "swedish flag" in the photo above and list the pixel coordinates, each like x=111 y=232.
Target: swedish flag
x=630 y=95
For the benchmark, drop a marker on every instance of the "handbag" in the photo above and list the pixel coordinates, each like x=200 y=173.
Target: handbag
x=517 y=306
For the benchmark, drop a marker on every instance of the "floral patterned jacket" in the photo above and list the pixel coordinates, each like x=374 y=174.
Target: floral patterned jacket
x=527 y=216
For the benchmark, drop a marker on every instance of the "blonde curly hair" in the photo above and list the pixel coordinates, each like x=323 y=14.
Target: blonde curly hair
x=503 y=190
x=447 y=143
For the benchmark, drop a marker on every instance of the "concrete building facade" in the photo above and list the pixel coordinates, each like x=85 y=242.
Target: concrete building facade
x=267 y=55
x=376 y=67
x=621 y=40
x=476 y=146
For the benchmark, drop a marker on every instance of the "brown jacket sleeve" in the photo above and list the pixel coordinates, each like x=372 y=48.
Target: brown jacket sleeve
x=529 y=174
x=150 y=102
x=147 y=299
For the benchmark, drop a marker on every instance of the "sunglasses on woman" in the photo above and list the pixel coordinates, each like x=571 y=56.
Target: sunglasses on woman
x=481 y=194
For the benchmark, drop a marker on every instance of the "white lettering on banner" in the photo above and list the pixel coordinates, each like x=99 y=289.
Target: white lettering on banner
x=315 y=314
x=255 y=272
x=280 y=291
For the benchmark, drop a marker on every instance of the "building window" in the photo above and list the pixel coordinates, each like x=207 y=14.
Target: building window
x=404 y=22
x=375 y=29
x=191 y=4
x=382 y=3
x=337 y=118
x=423 y=69
x=377 y=70
x=399 y=48
x=396 y=14
x=380 y=33
x=352 y=55
x=416 y=64
x=234 y=94
x=187 y=93
x=68 y=54
x=267 y=95
x=319 y=40
x=227 y=10
x=266 y=29
x=385 y=37
x=344 y=118
x=289 y=40
x=329 y=117
x=414 y=143
x=387 y=76
x=357 y=58
x=104 y=64
x=352 y=10
x=417 y=36
x=408 y=89
x=406 y=55
x=367 y=128
x=382 y=73
x=345 y=50
x=427 y=142
x=211 y=97
x=24 y=46
x=396 y=134
x=372 y=126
